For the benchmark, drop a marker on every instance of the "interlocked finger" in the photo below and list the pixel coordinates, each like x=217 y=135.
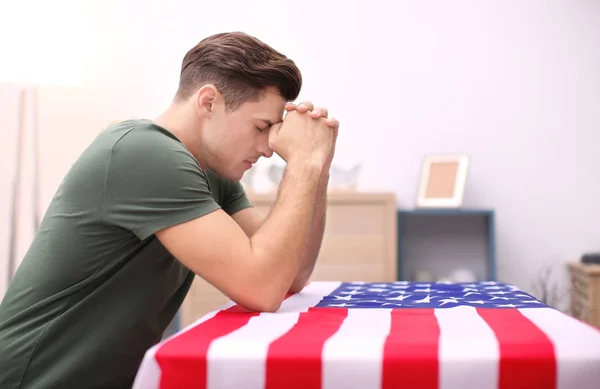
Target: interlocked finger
x=319 y=112
x=315 y=113
x=305 y=106
x=332 y=122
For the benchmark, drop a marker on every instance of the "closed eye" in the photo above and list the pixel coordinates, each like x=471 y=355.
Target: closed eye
x=261 y=129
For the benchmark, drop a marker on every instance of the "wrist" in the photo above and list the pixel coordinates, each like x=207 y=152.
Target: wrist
x=310 y=168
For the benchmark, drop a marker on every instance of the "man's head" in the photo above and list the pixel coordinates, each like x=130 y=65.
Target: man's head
x=236 y=87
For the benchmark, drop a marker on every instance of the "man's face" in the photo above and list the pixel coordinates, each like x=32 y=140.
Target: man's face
x=239 y=138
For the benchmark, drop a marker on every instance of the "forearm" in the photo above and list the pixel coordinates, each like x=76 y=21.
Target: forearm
x=316 y=236
x=281 y=242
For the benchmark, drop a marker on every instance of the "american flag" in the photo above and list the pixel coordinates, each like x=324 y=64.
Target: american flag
x=341 y=335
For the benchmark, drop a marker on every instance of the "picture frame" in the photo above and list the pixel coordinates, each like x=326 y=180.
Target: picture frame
x=443 y=180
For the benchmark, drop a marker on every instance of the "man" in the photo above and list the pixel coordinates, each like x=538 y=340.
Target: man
x=151 y=203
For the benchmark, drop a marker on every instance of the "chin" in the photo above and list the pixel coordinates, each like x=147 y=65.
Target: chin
x=234 y=177
x=229 y=174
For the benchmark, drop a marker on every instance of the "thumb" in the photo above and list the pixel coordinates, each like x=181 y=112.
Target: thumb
x=273 y=132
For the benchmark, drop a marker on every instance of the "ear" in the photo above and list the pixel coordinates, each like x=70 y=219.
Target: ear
x=206 y=99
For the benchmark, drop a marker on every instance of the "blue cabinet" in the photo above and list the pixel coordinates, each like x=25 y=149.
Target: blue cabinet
x=444 y=239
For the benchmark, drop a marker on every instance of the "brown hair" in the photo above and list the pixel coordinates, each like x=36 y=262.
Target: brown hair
x=240 y=66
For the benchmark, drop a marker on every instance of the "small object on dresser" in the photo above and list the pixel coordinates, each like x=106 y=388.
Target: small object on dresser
x=591 y=258
x=423 y=276
x=463 y=275
x=341 y=178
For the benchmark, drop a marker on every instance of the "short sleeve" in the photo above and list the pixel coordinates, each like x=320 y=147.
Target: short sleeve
x=153 y=182
x=235 y=198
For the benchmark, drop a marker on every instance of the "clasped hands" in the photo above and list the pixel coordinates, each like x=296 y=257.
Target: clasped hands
x=316 y=113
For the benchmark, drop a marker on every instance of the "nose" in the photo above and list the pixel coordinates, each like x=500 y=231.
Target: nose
x=264 y=148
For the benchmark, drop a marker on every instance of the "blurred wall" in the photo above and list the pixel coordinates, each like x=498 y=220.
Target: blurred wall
x=514 y=84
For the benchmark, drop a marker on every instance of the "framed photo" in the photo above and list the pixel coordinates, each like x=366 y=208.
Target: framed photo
x=443 y=179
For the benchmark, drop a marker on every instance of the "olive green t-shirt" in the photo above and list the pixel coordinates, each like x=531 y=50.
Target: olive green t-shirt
x=96 y=288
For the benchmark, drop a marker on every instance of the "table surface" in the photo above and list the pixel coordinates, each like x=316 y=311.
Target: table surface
x=382 y=335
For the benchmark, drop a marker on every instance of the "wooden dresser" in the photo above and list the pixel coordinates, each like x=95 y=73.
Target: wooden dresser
x=585 y=292
x=359 y=244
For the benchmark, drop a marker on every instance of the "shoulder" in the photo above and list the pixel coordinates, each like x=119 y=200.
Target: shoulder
x=143 y=136
x=147 y=158
x=143 y=145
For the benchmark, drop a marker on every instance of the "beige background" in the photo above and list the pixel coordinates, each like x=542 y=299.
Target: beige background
x=417 y=78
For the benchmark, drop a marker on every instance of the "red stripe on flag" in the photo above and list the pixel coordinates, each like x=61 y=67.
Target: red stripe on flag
x=294 y=360
x=410 y=355
x=527 y=358
x=183 y=358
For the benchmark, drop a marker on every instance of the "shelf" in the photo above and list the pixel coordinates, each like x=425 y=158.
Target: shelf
x=444 y=238
x=446 y=211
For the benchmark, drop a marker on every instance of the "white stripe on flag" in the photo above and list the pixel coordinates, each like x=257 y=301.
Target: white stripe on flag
x=238 y=360
x=576 y=345
x=353 y=356
x=468 y=350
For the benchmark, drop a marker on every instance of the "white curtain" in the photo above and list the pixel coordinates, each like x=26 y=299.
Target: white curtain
x=19 y=192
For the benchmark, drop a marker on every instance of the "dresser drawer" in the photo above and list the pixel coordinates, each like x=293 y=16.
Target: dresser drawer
x=350 y=272
x=356 y=219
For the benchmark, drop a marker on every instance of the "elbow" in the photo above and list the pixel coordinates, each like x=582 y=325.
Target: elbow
x=261 y=303
x=299 y=283
x=264 y=298
x=268 y=306
x=297 y=288
x=260 y=290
